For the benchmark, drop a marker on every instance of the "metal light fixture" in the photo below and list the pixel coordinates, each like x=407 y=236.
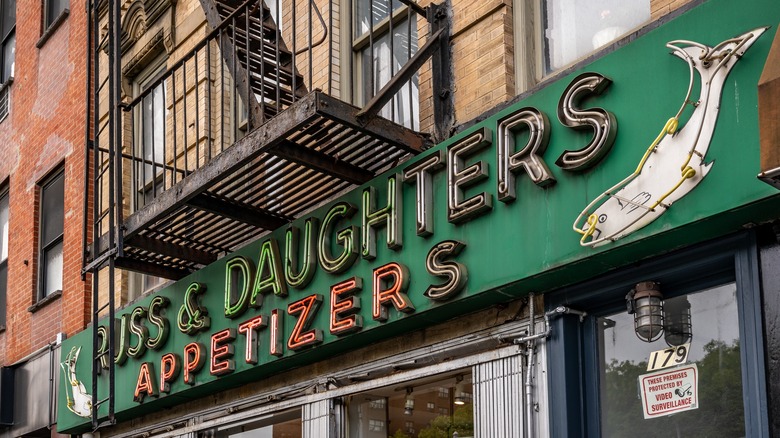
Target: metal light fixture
x=460 y=393
x=409 y=404
x=645 y=302
x=678 y=329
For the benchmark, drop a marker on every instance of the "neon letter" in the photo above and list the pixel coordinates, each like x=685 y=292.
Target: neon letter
x=601 y=121
x=454 y=272
x=139 y=330
x=163 y=326
x=460 y=176
x=345 y=238
x=222 y=351
x=422 y=173
x=390 y=283
x=102 y=333
x=120 y=357
x=170 y=366
x=387 y=216
x=145 y=384
x=270 y=276
x=529 y=157
x=250 y=329
x=276 y=344
x=238 y=281
x=192 y=316
x=344 y=305
x=306 y=309
x=193 y=361
x=302 y=278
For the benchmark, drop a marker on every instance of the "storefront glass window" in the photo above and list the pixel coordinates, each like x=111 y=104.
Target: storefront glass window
x=713 y=333
x=573 y=29
x=281 y=425
x=420 y=409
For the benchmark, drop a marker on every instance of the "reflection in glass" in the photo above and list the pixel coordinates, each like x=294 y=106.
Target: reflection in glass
x=388 y=58
x=388 y=412
x=678 y=328
x=715 y=348
x=367 y=8
x=573 y=29
x=281 y=425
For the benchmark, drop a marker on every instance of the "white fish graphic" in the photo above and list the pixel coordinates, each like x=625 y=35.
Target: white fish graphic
x=78 y=401
x=674 y=164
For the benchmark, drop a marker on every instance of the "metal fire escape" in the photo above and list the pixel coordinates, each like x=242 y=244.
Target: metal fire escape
x=168 y=215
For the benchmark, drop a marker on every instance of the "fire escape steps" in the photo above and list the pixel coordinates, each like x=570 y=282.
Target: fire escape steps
x=279 y=171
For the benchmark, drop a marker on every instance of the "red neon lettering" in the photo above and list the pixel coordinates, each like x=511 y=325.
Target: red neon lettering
x=390 y=283
x=221 y=352
x=275 y=347
x=145 y=384
x=250 y=329
x=307 y=308
x=343 y=306
x=170 y=366
x=193 y=361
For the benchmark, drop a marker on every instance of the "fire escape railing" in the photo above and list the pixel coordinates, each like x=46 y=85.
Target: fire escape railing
x=254 y=63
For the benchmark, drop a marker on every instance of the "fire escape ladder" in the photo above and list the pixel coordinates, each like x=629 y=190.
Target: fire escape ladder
x=256 y=56
x=103 y=164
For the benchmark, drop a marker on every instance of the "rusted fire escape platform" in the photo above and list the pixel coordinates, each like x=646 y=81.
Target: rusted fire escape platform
x=285 y=167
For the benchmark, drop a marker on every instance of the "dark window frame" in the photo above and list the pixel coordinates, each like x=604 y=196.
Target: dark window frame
x=4 y=197
x=363 y=89
x=51 y=16
x=574 y=390
x=6 y=37
x=45 y=247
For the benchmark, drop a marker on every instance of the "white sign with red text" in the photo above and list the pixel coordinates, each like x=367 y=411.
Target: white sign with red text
x=670 y=391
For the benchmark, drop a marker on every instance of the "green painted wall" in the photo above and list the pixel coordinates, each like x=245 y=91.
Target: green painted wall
x=528 y=245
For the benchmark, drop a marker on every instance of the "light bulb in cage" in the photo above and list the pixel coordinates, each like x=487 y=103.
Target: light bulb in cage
x=409 y=403
x=460 y=392
x=645 y=302
x=678 y=329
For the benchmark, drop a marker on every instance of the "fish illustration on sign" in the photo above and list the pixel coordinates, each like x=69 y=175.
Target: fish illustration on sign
x=78 y=401
x=674 y=163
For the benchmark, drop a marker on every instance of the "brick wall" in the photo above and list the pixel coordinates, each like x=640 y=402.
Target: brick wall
x=43 y=132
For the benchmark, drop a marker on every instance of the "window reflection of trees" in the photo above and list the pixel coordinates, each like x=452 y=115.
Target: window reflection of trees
x=716 y=354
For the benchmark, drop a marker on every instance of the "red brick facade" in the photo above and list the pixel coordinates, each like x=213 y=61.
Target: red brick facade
x=43 y=132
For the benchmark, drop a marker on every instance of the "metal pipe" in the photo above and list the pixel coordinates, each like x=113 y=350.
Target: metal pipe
x=52 y=369
x=529 y=406
x=530 y=358
x=530 y=341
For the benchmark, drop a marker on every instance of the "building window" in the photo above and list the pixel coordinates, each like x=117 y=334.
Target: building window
x=409 y=409
x=151 y=145
x=282 y=425
x=8 y=33
x=52 y=218
x=573 y=29
x=376 y=425
x=7 y=52
x=714 y=348
x=622 y=385
x=4 y=213
x=382 y=45
x=52 y=9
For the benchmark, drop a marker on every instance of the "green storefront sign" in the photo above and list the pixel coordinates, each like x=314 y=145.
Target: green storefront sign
x=482 y=218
